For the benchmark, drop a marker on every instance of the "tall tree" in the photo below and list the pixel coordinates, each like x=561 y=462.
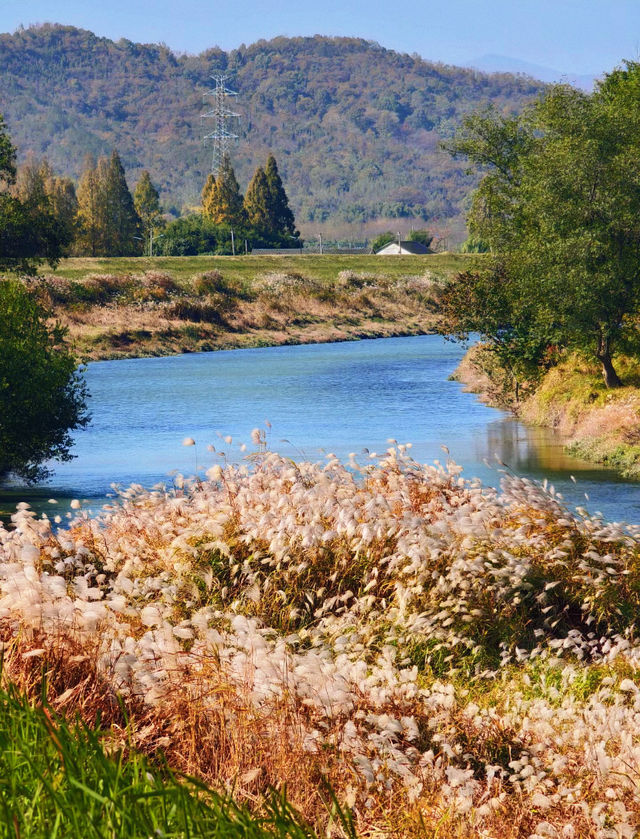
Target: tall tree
x=64 y=205
x=123 y=223
x=39 y=187
x=281 y=218
x=146 y=200
x=222 y=200
x=209 y=201
x=29 y=231
x=108 y=222
x=7 y=156
x=257 y=203
x=90 y=237
x=559 y=205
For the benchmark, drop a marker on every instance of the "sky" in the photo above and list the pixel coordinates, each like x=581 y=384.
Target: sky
x=573 y=36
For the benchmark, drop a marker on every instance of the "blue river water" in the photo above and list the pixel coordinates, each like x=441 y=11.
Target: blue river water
x=340 y=398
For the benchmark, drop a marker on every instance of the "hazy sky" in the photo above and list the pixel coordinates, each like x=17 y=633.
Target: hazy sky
x=574 y=36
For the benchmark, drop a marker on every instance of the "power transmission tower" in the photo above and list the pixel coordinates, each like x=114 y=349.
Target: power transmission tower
x=223 y=119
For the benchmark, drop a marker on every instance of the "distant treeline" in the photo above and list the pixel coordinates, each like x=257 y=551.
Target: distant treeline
x=45 y=216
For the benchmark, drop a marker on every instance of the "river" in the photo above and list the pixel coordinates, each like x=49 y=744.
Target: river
x=339 y=398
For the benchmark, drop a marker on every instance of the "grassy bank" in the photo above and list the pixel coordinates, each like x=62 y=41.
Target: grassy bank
x=135 y=306
x=60 y=779
x=597 y=424
x=457 y=662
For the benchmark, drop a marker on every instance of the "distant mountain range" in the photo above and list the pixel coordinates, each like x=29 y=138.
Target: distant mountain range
x=504 y=64
x=356 y=128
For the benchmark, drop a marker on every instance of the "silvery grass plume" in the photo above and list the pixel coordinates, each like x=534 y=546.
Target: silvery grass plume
x=445 y=654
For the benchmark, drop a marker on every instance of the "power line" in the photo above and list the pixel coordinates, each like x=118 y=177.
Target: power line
x=223 y=120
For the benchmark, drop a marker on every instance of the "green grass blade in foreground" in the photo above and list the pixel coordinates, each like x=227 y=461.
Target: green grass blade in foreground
x=57 y=780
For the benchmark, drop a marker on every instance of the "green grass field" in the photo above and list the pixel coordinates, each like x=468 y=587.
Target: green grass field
x=246 y=267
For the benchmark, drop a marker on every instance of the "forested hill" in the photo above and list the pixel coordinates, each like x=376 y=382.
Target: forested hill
x=355 y=127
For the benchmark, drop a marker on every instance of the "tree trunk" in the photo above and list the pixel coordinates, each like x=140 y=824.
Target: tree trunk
x=611 y=378
x=603 y=354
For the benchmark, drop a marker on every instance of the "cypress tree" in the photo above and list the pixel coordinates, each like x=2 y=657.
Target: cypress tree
x=282 y=222
x=107 y=218
x=90 y=236
x=123 y=223
x=147 y=204
x=209 y=201
x=257 y=204
x=223 y=204
x=61 y=193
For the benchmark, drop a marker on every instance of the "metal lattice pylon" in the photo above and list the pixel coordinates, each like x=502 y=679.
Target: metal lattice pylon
x=221 y=137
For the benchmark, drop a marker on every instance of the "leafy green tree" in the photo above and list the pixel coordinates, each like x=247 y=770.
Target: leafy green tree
x=221 y=199
x=146 y=200
x=472 y=244
x=423 y=236
x=281 y=220
x=42 y=396
x=487 y=302
x=382 y=240
x=189 y=236
x=38 y=187
x=7 y=156
x=559 y=206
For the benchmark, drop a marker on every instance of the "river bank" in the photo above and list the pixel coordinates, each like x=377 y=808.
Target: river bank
x=595 y=423
x=126 y=308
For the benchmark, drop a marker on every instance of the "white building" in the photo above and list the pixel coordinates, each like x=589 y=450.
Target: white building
x=403 y=249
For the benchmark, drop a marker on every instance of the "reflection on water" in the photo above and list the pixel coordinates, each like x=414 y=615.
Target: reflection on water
x=328 y=397
x=539 y=453
x=533 y=449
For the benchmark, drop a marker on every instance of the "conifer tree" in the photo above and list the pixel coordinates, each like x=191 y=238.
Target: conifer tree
x=257 y=203
x=223 y=204
x=123 y=223
x=29 y=185
x=209 y=200
x=64 y=205
x=90 y=237
x=147 y=204
x=108 y=222
x=282 y=221
x=29 y=231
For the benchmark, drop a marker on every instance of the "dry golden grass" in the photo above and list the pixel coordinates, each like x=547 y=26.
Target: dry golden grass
x=124 y=315
x=453 y=661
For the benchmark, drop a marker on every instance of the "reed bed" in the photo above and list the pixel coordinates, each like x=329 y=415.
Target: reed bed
x=159 y=313
x=453 y=660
